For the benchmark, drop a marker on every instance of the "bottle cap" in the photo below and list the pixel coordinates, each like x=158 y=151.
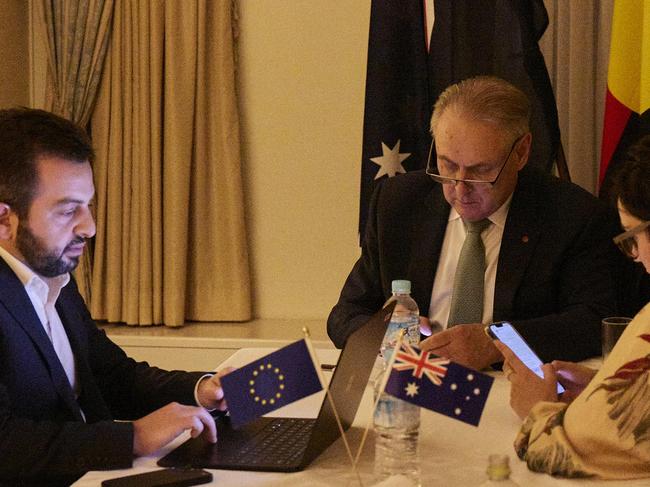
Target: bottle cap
x=401 y=286
x=498 y=467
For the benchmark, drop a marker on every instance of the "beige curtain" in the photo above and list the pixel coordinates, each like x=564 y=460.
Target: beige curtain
x=576 y=49
x=77 y=33
x=171 y=241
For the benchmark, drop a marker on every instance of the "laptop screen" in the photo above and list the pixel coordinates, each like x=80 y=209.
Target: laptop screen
x=350 y=379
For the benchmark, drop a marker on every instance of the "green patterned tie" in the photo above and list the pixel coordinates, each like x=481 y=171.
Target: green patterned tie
x=467 y=295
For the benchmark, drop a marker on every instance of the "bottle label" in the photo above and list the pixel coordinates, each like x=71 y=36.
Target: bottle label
x=412 y=331
x=411 y=327
x=395 y=413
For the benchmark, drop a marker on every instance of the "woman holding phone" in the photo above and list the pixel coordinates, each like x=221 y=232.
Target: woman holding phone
x=601 y=425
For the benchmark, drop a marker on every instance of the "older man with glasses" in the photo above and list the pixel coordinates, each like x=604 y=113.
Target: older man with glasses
x=484 y=238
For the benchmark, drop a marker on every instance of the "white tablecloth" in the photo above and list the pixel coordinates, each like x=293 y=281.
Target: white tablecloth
x=452 y=454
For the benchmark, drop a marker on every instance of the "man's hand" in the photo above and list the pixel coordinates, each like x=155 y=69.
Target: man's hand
x=155 y=430
x=210 y=393
x=425 y=326
x=573 y=377
x=526 y=388
x=465 y=344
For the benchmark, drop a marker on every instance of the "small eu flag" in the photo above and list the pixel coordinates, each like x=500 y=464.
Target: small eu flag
x=438 y=384
x=271 y=382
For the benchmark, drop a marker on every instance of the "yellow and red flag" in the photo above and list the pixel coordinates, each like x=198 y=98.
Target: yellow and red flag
x=627 y=117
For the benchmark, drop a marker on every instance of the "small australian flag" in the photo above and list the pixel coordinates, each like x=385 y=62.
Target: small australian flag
x=438 y=384
x=271 y=382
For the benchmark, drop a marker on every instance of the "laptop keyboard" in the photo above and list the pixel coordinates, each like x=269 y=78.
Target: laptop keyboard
x=281 y=442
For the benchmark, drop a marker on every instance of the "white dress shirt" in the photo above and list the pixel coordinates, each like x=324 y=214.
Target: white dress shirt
x=451 y=246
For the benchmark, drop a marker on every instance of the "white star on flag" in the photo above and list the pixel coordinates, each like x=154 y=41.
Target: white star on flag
x=390 y=162
x=411 y=389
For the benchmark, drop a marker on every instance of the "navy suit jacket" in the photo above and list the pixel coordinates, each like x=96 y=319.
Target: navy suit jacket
x=43 y=438
x=554 y=275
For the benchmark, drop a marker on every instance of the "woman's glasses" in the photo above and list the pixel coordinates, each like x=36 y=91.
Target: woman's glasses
x=627 y=241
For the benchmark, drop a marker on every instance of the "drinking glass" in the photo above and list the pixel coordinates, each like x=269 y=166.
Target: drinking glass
x=612 y=329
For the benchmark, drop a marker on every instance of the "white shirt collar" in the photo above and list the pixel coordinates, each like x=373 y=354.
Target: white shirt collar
x=498 y=217
x=47 y=288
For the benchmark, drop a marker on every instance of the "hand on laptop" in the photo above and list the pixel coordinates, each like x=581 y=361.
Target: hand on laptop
x=155 y=430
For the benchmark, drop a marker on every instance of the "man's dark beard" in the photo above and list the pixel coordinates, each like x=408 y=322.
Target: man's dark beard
x=39 y=259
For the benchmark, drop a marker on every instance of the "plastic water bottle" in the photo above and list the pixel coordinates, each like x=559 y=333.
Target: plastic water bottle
x=498 y=472
x=406 y=316
x=396 y=422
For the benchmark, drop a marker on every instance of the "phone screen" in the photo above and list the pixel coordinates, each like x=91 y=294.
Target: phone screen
x=507 y=334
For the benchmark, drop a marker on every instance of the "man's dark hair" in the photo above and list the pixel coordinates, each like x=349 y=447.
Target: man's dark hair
x=27 y=134
x=631 y=182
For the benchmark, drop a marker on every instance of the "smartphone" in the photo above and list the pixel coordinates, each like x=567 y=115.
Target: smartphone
x=507 y=334
x=167 y=477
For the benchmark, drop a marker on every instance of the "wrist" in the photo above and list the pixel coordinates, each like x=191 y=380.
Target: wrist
x=200 y=398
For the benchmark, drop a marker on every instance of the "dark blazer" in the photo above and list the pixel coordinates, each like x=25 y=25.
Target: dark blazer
x=43 y=439
x=554 y=277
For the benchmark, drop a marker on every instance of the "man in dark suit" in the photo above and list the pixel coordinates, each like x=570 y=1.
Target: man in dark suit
x=547 y=243
x=63 y=383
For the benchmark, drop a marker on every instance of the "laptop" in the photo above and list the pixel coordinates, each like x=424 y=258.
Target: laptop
x=290 y=444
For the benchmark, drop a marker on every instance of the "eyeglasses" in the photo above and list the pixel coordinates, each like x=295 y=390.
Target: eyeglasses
x=627 y=241
x=432 y=169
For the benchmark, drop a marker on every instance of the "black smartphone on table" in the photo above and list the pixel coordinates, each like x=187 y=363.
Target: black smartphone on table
x=167 y=477
x=507 y=334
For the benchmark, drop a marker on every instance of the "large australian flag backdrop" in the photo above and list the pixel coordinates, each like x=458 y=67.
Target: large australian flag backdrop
x=271 y=382
x=416 y=48
x=438 y=384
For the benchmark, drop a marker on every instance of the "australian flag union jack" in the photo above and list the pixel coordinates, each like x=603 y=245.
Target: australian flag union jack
x=407 y=358
x=438 y=384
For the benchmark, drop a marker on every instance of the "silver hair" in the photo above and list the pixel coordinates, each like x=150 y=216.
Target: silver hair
x=486 y=99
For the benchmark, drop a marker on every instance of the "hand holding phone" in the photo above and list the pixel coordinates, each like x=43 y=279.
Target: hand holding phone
x=507 y=334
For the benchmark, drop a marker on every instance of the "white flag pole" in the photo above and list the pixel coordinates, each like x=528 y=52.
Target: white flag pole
x=325 y=385
x=380 y=390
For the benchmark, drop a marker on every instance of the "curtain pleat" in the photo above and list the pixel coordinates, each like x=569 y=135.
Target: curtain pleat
x=171 y=240
x=77 y=37
x=576 y=50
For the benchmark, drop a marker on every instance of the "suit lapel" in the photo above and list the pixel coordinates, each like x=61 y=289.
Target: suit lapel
x=90 y=398
x=426 y=241
x=520 y=236
x=16 y=301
